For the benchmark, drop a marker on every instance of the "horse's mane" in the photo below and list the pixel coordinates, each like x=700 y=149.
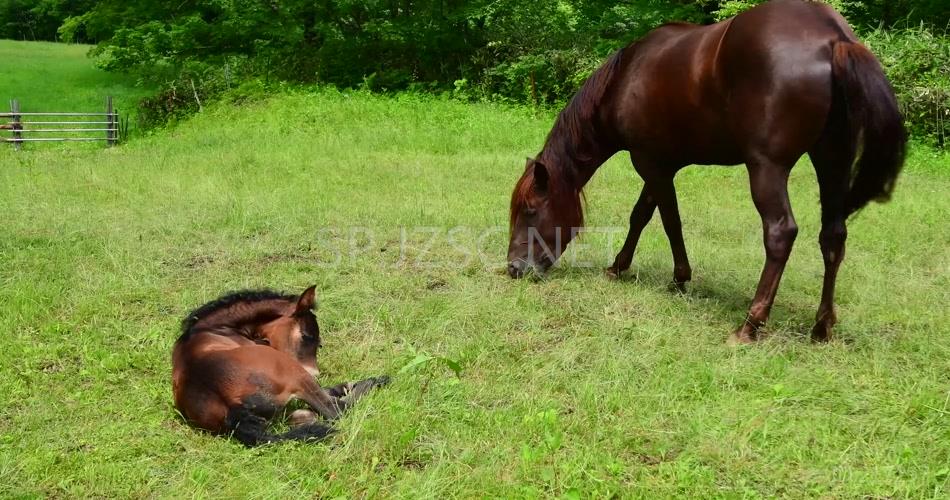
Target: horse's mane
x=230 y=300
x=574 y=125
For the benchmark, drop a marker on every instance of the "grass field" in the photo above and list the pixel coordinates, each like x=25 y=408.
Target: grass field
x=55 y=77
x=573 y=386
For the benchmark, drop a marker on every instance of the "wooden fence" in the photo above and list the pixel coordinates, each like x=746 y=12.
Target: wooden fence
x=36 y=127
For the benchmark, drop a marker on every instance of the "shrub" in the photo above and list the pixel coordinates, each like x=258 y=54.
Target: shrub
x=917 y=61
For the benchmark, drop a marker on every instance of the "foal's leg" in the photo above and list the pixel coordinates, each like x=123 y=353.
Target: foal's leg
x=330 y=404
x=769 y=183
x=321 y=401
x=348 y=388
x=831 y=166
x=639 y=217
x=359 y=389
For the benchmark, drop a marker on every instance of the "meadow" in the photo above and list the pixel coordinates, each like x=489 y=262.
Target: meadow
x=56 y=77
x=396 y=207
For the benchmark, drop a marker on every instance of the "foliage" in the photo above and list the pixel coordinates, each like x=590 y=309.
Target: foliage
x=918 y=65
x=39 y=19
x=514 y=50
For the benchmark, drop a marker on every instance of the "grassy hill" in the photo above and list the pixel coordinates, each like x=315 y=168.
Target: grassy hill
x=55 y=77
x=397 y=210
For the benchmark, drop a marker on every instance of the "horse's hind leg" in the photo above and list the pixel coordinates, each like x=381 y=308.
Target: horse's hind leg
x=832 y=162
x=769 y=183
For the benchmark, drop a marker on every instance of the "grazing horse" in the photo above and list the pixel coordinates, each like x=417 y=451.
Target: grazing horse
x=763 y=88
x=241 y=358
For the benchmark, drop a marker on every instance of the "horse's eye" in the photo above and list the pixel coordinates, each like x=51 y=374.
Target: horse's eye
x=531 y=212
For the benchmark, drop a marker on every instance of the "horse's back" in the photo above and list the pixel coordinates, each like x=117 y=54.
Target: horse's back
x=775 y=61
x=715 y=94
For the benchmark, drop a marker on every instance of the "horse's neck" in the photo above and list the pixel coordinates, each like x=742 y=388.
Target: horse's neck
x=578 y=157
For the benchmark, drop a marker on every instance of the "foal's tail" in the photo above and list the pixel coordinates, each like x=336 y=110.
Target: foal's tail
x=876 y=127
x=251 y=429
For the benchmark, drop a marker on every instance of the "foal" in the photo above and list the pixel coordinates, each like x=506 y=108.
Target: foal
x=241 y=358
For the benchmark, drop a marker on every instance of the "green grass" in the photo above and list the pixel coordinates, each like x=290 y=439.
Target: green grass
x=571 y=385
x=55 y=77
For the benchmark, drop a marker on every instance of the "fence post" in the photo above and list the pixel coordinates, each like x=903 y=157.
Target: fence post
x=15 y=122
x=111 y=126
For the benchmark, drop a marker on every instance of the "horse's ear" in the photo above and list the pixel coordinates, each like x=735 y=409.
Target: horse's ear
x=541 y=177
x=307 y=300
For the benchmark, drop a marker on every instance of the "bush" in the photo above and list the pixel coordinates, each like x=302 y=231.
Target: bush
x=511 y=50
x=917 y=61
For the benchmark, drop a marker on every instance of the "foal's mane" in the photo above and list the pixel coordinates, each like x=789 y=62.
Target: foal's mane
x=255 y=308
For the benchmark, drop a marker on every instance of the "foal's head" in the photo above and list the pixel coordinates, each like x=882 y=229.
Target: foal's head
x=546 y=214
x=284 y=322
x=296 y=331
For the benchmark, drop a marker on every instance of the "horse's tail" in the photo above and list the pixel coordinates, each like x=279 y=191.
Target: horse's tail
x=251 y=429
x=878 y=139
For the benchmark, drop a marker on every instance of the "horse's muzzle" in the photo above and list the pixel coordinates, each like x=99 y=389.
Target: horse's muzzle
x=517 y=268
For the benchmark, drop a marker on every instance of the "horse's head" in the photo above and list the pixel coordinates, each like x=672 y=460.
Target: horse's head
x=546 y=214
x=296 y=331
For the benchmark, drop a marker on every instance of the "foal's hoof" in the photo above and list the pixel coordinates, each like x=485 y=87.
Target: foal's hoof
x=301 y=417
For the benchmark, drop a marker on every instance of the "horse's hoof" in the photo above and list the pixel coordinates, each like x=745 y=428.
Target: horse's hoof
x=821 y=332
x=678 y=287
x=735 y=340
x=743 y=336
x=612 y=273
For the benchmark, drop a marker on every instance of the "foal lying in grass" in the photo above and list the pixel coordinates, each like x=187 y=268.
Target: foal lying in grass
x=241 y=358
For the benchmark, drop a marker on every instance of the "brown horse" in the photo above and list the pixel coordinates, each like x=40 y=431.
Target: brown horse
x=763 y=88
x=241 y=358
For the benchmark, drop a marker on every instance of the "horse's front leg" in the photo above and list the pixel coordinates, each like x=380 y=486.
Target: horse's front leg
x=639 y=217
x=769 y=183
x=665 y=194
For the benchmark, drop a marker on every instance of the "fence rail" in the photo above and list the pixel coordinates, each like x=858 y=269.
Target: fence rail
x=21 y=130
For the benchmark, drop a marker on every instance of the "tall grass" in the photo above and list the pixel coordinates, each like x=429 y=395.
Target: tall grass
x=570 y=386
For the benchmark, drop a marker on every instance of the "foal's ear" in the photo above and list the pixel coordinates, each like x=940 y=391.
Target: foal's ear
x=541 y=177
x=307 y=300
